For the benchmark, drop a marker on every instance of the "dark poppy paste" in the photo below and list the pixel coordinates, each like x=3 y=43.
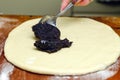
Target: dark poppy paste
x=49 y=38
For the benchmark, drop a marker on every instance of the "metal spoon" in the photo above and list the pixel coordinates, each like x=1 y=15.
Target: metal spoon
x=52 y=19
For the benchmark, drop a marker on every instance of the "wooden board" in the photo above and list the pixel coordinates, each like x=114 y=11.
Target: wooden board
x=8 y=22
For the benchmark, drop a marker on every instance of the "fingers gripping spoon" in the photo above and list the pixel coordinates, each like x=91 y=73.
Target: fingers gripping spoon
x=52 y=19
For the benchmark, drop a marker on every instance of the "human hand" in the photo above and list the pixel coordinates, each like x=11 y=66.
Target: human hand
x=75 y=2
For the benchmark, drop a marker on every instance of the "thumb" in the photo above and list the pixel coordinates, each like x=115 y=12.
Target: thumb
x=82 y=2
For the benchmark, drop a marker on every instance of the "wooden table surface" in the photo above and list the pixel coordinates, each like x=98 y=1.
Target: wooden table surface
x=8 y=22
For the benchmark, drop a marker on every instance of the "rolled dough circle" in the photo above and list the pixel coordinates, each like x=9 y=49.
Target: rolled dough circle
x=95 y=47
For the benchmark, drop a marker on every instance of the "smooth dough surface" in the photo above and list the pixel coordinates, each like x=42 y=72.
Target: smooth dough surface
x=95 y=46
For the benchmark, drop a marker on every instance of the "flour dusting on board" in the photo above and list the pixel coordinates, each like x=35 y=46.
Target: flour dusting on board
x=1 y=24
x=6 y=71
x=6 y=25
x=8 y=19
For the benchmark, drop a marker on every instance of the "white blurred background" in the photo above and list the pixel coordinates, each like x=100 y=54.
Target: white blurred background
x=51 y=7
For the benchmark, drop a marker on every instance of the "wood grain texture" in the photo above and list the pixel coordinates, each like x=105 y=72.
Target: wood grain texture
x=8 y=22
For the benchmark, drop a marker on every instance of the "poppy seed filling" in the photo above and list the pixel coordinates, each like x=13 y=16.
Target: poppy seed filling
x=49 y=38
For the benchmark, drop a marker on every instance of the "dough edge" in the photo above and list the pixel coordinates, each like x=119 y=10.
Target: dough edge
x=51 y=72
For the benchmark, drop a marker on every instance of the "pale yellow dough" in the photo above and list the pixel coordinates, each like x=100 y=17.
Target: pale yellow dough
x=95 y=46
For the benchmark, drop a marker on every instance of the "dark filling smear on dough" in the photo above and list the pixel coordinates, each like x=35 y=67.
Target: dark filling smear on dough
x=49 y=38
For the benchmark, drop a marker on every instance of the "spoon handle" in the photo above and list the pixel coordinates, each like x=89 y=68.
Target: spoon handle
x=52 y=19
x=63 y=11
